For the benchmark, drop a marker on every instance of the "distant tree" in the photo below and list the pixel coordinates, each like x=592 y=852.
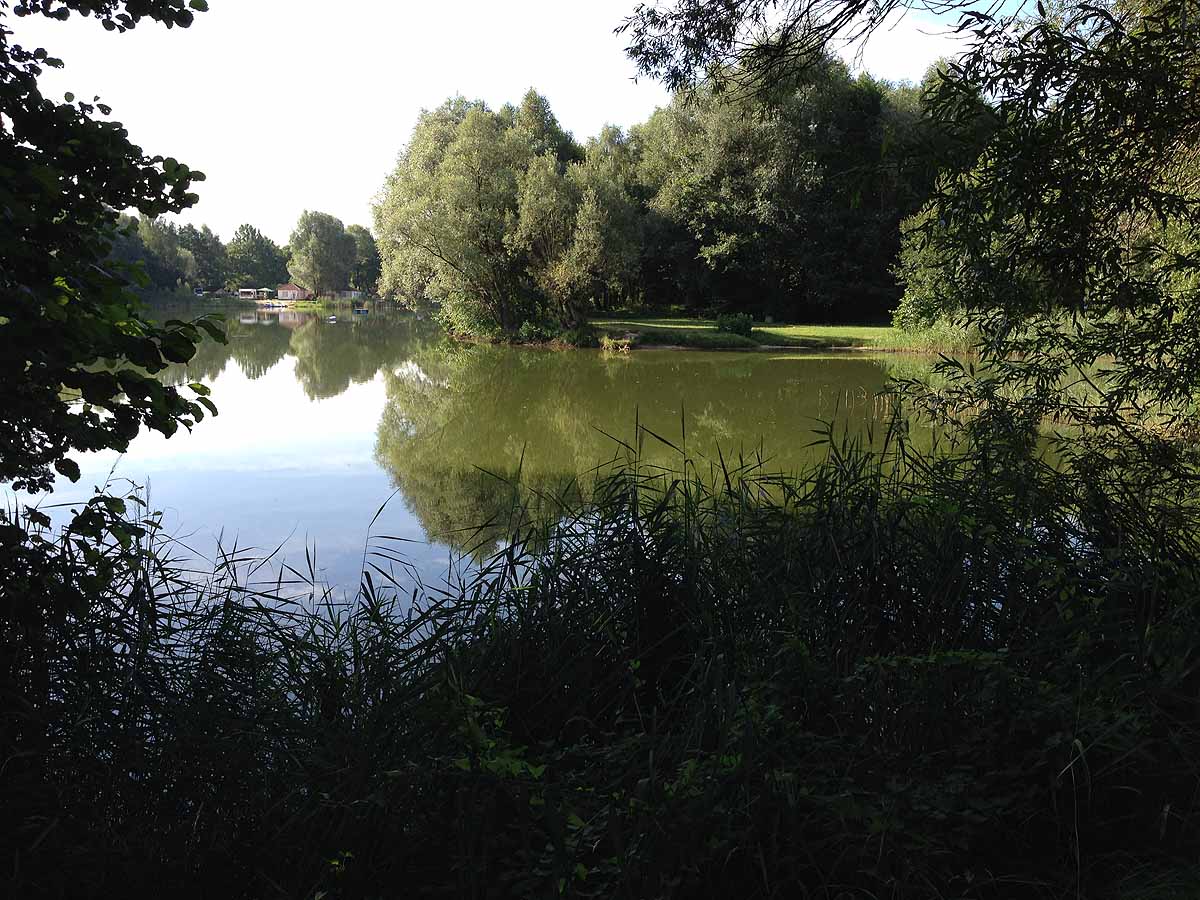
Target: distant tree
x=484 y=216
x=323 y=254
x=255 y=260
x=212 y=260
x=168 y=263
x=367 y=267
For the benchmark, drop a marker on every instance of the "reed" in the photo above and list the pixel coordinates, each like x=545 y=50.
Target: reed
x=890 y=675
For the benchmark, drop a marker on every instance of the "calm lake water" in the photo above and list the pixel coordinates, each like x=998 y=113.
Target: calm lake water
x=320 y=423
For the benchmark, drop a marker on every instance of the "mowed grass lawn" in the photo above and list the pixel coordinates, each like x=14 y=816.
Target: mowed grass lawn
x=701 y=333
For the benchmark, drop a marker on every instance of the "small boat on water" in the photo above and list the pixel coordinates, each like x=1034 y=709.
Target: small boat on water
x=331 y=319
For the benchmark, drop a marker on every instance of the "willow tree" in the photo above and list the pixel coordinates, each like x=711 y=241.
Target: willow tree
x=323 y=255
x=442 y=217
x=500 y=218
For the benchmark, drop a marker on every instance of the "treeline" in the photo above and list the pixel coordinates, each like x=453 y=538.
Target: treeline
x=785 y=205
x=322 y=256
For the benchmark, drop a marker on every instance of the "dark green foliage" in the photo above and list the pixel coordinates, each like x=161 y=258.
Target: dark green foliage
x=580 y=336
x=735 y=323
x=67 y=310
x=894 y=676
x=210 y=256
x=255 y=260
x=1071 y=243
x=532 y=332
x=786 y=204
x=364 y=276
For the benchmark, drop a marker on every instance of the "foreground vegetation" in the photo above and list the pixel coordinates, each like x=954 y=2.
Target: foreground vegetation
x=966 y=673
x=889 y=676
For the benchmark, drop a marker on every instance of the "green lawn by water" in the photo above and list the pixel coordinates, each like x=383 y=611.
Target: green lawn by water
x=701 y=333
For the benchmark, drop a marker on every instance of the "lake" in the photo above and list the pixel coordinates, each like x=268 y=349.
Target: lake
x=320 y=423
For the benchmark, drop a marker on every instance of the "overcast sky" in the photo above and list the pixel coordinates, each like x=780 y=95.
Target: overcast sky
x=289 y=105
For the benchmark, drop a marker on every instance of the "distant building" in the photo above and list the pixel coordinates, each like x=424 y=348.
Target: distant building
x=291 y=291
x=347 y=295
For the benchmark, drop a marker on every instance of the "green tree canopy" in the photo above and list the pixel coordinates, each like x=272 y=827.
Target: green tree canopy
x=255 y=260
x=1064 y=225
x=785 y=203
x=367 y=266
x=481 y=216
x=211 y=258
x=323 y=255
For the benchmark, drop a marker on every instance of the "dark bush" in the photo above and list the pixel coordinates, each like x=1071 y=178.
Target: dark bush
x=580 y=336
x=893 y=676
x=735 y=323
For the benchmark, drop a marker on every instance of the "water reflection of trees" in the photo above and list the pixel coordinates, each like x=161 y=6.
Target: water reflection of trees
x=329 y=356
x=462 y=424
x=258 y=348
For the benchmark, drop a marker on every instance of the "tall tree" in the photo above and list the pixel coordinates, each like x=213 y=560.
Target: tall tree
x=481 y=215
x=322 y=253
x=1069 y=241
x=255 y=260
x=367 y=267
x=537 y=124
x=443 y=216
x=211 y=258
x=168 y=263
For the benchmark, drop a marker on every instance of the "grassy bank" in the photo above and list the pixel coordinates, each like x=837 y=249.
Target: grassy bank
x=883 y=677
x=323 y=304
x=701 y=334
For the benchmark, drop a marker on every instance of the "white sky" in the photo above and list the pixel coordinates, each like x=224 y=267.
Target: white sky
x=289 y=105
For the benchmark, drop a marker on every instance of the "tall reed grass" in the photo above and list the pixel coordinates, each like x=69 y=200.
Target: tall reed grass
x=890 y=675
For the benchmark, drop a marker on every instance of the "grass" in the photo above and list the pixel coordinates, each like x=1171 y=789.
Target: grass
x=887 y=676
x=702 y=334
x=319 y=304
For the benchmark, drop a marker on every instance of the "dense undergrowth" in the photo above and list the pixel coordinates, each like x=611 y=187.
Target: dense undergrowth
x=972 y=675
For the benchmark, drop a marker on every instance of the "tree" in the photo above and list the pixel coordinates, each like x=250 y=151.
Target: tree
x=150 y=250
x=1065 y=230
x=482 y=212
x=255 y=260
x=537 y=125
x=367 y=267
x=168 y=264
x=444 y=213
x=322 y=253
x=67 y=304
x=211 y=258
x=1072 y=242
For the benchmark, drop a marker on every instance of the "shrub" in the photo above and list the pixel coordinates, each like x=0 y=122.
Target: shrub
x=532 y=332
x=585 y=335
x=735 y=323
